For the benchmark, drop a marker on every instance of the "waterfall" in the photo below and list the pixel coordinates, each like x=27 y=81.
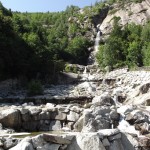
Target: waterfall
x=97 y=40
x=85 y=70
x=92 y=57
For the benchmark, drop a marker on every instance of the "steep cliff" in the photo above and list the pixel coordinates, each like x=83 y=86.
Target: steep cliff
x=138 y=13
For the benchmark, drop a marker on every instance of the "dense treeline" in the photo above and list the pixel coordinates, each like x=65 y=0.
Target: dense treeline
x=37 y=45
x=129 y=46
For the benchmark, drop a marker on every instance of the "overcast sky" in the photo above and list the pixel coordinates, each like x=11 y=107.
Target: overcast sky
x=44 y=5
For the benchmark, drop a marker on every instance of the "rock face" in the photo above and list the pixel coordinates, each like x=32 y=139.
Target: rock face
x=137 y=13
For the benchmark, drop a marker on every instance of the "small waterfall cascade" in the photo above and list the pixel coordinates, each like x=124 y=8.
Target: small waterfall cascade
x=97 y=40
x=85 y=70
x=92 y=57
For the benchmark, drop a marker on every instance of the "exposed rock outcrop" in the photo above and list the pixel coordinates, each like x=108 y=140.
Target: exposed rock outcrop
x=138 y=13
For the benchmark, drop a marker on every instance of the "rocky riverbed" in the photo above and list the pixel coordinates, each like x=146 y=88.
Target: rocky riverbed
x=103 y=111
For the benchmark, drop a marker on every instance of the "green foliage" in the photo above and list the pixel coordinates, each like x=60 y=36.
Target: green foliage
x=71 y=68
x=35 y=88
x=78 y=49
x=128 y=46
x=39 y=44
x=4 y=11
x=146 y=54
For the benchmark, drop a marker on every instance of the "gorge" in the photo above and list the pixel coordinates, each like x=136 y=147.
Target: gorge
x=88 y=109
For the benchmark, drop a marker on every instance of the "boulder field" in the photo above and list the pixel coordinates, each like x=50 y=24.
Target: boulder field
x=104 y=111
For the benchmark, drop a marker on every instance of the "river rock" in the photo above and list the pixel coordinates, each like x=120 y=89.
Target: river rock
x=23 y=111
x=101 y=110
x=38 y=141
x=108 y=132
x=78 y=126
x=34 y=111
x=116 y=145
x=56 y=139
x=143 y=127
x=1 y=126
x=25 y=144
x=26 y=117
x=144 y=88
x=114 y=115
x=105 y=142
x=144 y=142
x=129 y=142
x=9 y=143
x=76 y=109
x=57 y=115
x=63 y=108
x=1 y=143
x=125 y=109
x=103 y=100
x=86 y=142
x=72 y=116
x=42 y=116
x=50 y=105
x=10 y=118
x=55 y=125
x=49 y=146
x=114 y=137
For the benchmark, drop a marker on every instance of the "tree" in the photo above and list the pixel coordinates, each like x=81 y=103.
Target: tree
x=78 y=49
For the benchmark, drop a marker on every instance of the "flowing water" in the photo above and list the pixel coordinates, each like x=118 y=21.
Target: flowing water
x=92 y=57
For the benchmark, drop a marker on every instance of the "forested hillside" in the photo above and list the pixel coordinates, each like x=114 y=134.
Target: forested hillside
x=39 y=44
x=129 y=46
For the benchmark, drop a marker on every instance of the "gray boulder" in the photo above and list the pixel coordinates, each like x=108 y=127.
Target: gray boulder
x=73 y=116
x=86 y=142
x=10 y=118
x=116 y=145
x=55 y=125
x=9 y=143
x=25 y=144
x=103 y=100
x=49 y=146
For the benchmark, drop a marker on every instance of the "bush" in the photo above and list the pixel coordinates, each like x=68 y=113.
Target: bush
x=35 y=88
x=71 y=68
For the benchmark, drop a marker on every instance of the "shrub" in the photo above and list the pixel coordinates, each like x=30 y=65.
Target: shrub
x=35 y=88
x=71 y=68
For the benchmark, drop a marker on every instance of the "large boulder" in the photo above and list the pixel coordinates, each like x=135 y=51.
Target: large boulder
x=9 y=143
x=23 y=146
x=129 y=142
x=144 y=88
x=49 y=146
x=85 y=141
x=58 y=139
x=78 y=126
x=73 y=116
x=116 y=145
x=55 y=125
x=10 y=118
x=103 y=100
x=57 y=115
